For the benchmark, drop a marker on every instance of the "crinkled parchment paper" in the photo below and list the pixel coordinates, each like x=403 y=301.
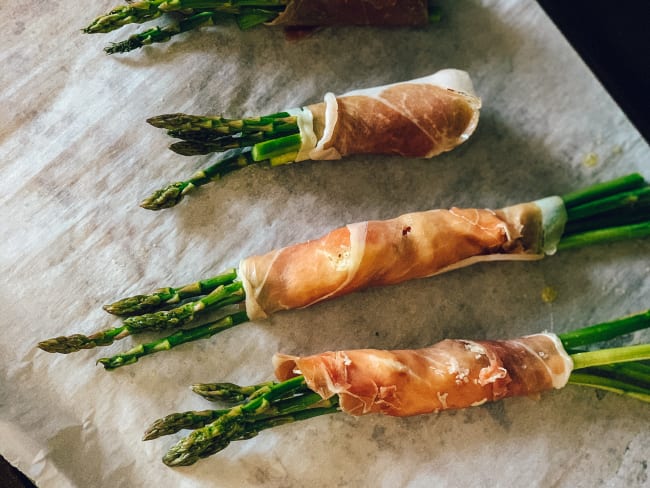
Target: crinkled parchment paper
x=77 y=156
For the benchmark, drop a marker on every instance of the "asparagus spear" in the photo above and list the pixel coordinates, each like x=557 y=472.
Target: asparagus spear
x=140 y=304
x=205 y=128
x=180 y=337
x=229 y=392
x=619 y=370
x=148 y=311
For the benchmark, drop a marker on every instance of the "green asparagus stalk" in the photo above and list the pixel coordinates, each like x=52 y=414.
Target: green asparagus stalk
x=174 y=193
x=175 y=422
x=619 y=370
x=281 y=150
x=180 y=337
x=140 y=304
x=163 y=34
x=206 y=128
x=228 y=392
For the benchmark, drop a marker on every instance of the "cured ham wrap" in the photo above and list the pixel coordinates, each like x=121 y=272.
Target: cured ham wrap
x=420 y=118
x=396 y=13
x=303 y=15
x=373 y=253
x=414 y=245
x=452 y=374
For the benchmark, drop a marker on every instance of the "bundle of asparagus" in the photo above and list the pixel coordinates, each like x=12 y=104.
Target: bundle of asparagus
x=374 y=253
x=306 y=14
x=451 y=374
x=419 y=118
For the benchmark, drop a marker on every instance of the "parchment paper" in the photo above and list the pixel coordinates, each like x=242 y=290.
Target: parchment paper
x=77 y=157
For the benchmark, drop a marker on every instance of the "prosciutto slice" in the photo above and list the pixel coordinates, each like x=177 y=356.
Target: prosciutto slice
x=354 y=12
x=451 y=374
x=418 y=118
x=378 y=253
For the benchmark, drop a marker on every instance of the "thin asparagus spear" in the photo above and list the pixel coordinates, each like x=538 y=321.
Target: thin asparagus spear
x=180 y=337
x=163 y=34
x=197 y=148
x=615 y=355
x=174 y=422
x=617 y=202
x=173 y=193
x=603 y=236
x=606 y=330
x=603 y=190
x=139 y=304
x=635 y=373
x=205 y=128
x=227 y=392
x=611 y=385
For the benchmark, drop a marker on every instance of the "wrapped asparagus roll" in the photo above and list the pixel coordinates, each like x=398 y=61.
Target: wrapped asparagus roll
x=452 y=374
x=379 y=253
x=420 y=118
x=448 y=375
x=374 y=253
x=289 y=14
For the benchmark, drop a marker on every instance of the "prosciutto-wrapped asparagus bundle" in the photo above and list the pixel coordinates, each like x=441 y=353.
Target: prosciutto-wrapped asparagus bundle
x=448 y=375
x=375 y=253
x=419 y=118
x=289 y=14
x=451 y=374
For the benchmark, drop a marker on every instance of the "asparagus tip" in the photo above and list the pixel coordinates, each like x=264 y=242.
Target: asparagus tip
x=67 y=344
x=167 y=197
x=128 y=45
x=116 y=361
x=136 y=304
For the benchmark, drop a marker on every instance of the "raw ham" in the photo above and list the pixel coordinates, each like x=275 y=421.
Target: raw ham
x=451 y=374
x=418 y=118
x=378 y=253
x=397 y=13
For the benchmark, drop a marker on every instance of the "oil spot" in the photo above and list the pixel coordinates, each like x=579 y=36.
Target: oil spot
x=549 y=294
x=590 y=160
